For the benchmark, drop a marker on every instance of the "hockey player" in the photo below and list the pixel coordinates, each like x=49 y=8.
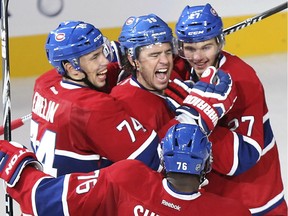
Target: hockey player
x=147 y=53
x=246 y=163
x=77 y=128
x=127 y=187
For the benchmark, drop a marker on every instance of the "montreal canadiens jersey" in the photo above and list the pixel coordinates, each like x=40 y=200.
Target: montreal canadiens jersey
x=150 y=108
x=76 y=129
x=244 y=147
x=127 y=188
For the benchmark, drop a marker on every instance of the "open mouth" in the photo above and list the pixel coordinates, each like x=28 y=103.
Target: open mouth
x=102 y=75
x=161 y=74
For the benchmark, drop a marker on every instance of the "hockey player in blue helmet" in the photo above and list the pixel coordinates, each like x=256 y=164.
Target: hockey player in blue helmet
x=186 y=150
x=71 y=114
x=241 y=150
x=73 y=54
x=147 y=50
x=147 y=47
x=199 y=32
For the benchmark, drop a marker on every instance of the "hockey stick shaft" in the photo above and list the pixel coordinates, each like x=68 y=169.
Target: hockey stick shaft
x=6 y=87
x=16 y=123
x=255 y=19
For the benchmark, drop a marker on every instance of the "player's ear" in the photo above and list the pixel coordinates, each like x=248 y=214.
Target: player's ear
x=67 y=66
x=137 y=64
x=70 y=69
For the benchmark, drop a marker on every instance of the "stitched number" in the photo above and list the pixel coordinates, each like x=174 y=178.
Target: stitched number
x=44 y=148
x=136 y=125
x=89 y=183
x=249 y=119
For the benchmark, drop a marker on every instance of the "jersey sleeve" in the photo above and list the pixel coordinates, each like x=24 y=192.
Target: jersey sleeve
x=40 y=194
x=240 y=138
x=22 y=192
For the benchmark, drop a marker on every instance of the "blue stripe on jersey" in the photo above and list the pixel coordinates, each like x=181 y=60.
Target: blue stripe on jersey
x=148 y=153
x=263 y=212
x=248 y=154
x=268 y=133
x=65 y=165
x=48 y=197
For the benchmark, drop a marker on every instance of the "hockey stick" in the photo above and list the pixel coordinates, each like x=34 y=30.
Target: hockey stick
x=6 y=87
x=255 y=19
x=16 y=123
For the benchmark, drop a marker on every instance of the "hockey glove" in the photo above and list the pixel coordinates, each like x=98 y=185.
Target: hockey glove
x=13 y=158
x=210 y=99
x=176 y=92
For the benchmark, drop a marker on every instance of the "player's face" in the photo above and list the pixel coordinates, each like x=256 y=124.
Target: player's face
x=201 y=55
x=154 y=66
x=95 y=66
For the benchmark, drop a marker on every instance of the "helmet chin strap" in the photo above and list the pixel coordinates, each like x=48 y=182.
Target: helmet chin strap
x=220 y=43
x=217 y=61
x=85 y=80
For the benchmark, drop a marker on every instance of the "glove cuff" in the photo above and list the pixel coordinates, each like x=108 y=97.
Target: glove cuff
x=206 y=111
x=11 y=182
x=189 y=115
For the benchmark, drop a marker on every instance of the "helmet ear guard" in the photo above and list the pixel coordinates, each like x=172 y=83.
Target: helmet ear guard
x=220 y=39
x=107 y=50
x=186 y=149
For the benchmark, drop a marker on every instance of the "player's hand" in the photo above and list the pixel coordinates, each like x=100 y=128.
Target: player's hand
x=13 y=158
x=176 y=92
x=210 y=99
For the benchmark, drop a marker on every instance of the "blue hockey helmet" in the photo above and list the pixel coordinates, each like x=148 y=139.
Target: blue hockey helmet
x=186 y=149
x=71 y=40
x=142 y=31
x=199 y=23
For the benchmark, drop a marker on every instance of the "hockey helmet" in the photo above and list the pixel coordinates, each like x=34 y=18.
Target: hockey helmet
x=199 y=23
x=186 y=149
x=73 y=39
x=142 y=31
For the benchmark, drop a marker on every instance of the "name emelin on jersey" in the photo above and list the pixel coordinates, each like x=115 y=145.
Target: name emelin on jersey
x=44 y=108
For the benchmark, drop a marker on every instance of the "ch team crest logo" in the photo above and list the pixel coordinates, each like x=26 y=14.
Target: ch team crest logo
x=130 y=20
x=60 y=37
x=213 y=12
